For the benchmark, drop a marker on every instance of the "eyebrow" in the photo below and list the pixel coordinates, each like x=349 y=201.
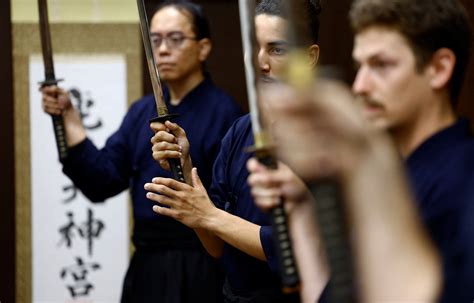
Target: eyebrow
x=155 y=34
x=380 y=55
x=278 y=43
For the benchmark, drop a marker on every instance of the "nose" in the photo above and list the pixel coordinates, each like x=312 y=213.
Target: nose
x=362 y=83
x=163 y=48
x=263 y=62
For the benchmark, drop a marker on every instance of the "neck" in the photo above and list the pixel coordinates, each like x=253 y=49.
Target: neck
x=180 y=88
x=431 y=121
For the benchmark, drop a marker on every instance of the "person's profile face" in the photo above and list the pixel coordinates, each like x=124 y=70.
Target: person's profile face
x=392 y=93
x=177 y=51
x=272 y=46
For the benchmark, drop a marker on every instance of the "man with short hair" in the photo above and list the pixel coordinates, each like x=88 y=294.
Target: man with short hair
x=412 y=57
x=169 y=263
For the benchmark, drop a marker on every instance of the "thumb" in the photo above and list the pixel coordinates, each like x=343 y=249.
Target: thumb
x=196 y=180
x=157 y=126
x=253 y=166
x=175 y=129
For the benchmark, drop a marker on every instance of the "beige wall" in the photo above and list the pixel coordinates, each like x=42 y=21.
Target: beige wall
x=77 y=11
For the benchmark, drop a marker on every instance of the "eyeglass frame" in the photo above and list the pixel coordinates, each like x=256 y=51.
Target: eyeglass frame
x=168 y=37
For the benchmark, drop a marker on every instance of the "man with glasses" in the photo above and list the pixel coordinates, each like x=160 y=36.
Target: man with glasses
x=226 y=219
x=169 y=264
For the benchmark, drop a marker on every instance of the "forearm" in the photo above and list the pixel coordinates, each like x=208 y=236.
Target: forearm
x=237 y=232
x=75 y=131
x=212 y=243
x=388 y=232
x=308 y=250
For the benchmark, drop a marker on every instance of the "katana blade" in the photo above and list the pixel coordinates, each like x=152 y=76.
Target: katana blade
x=247 y=28
x=46 y=47
x=50 y=78
x=264 y=152
x=162 y=110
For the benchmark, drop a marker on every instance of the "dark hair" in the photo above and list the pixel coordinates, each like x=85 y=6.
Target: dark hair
x=279 y=8
x=428 y=25
x=199 y=19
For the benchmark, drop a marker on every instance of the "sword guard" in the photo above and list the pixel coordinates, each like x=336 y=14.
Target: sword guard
x=163 y=119
x=49 y=82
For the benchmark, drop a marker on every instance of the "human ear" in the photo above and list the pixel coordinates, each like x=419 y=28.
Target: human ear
x=205 y=47
x=442 y=68
x=313 y=52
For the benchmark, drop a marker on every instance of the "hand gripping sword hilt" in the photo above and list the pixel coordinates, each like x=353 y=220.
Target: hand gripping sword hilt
x=58 y=126
x=175 y=164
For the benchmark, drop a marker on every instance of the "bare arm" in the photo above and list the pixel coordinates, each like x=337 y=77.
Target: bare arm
x=388 y=232
x=394 y=257
x=191 y=206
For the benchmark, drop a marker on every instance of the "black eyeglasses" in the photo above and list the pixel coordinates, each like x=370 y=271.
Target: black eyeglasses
x=173 y=40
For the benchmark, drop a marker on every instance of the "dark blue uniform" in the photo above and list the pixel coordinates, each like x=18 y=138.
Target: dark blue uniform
x=247 y=278
x=441 y=170
x=169 y=265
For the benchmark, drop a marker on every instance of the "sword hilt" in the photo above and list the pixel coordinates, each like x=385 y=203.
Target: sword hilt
x=175 y=164
x=287 y=266
x=60 y=135
x=58 y=126
x=330 y=214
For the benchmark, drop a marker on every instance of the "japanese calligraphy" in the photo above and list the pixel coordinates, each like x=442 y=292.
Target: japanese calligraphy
x=84 y=105
x=79 y=272
x=89 y=230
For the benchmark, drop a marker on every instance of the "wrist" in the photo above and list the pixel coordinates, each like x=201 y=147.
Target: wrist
x=187 y=165
x=75 y=132
x=211 y=220
x=75 y=135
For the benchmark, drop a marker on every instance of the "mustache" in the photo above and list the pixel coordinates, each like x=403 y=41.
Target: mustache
x=366 y=100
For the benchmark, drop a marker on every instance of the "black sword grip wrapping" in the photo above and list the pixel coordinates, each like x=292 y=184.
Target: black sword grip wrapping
x=332 y=223
x=286 y=261
x=176 y=169
x=60 y=135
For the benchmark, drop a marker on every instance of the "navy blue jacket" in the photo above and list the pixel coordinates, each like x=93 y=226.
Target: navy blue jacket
x=441 y=170
x=126 y=161
x=231 y=192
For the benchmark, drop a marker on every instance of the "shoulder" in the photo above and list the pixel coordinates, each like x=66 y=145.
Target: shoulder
x=445 y=184
x=142 y=108
x=238 y=136
x=221 y=100
x=240 y=127
x=143 y=103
